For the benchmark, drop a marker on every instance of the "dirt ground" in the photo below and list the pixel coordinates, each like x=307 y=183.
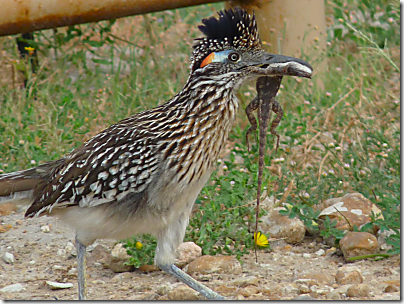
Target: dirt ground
x=40 y=257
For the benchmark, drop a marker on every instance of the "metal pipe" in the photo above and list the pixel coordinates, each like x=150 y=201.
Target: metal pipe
x=20 y=16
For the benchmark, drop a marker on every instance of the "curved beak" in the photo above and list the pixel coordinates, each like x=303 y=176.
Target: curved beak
x=279 y=65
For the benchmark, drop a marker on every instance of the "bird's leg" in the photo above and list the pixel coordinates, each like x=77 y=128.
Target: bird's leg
x=252 y=106
x=191 y=282
x=81 y=269
x=267 y=87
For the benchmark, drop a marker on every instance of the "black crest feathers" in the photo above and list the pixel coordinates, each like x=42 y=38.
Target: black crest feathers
x=234 y=28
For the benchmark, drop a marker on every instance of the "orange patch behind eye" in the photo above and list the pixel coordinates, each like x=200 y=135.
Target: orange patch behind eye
x=208 y=59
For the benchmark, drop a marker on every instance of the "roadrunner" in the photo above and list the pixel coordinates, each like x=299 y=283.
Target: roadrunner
x=143 y=174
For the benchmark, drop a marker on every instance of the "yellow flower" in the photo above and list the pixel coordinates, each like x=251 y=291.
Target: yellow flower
x=138 y=245
x=261 y=240
x=30 y=50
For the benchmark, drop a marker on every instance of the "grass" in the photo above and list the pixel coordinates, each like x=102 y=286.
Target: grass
x=337 y=138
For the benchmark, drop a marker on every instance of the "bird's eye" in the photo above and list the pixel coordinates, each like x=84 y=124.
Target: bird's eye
x=234 y=57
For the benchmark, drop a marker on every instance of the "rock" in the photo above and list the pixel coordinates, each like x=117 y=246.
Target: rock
x=304 y=289
x=244 y=281
x=281 y=226
x=333 y=295
x=358 y=290
x=182 y=293
x=119 y=258
x=121 y=277
x=358 y=243
x=100 y=253
x=6 y=209
x=13 y=288
x=392 y=285
x=320 y=252
x=239 y=297
x=307 y=255
x=8 y=258
x=349 y=275
x=45 y=229
x=187 y=252
x=5 y=227
x=354 y=207
x=331 y=251
x=208 y=264
x=72 y=272
x=343 y=289
x=57 y=285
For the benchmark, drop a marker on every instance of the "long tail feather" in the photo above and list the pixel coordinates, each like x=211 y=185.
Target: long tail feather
x=18 y=187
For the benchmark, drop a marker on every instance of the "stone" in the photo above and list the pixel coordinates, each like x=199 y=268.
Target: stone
x=354 y=207
x=280 y=226
x=99 y=253
x=307 y=255
x=8 y=258
x=119 y=258
x=343 y=289
x=348 y=275
x=239 y=297
x=183 y=293
x=121 y=277
x=358 y=290
x=208 y=264
x=333 y=295
x=392 y=285
x=244 y=281
x=6 y=209
x=320 y=252
x=304 y=289
x=45 y=229
x=186 y=253
x=5 y=227
x=72 y=272
x=13 y=288
x=358 y=243
x=57 y=285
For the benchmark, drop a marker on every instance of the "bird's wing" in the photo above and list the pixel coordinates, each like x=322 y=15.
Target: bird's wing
x=116 y=162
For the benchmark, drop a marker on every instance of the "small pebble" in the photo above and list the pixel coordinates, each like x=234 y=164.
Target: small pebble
x=45 y=229
x=32 y=262
x=320 y=252
x=307 y=255
x=8 y=258
x=12 y=288
x=240 y=297
x=72 y=272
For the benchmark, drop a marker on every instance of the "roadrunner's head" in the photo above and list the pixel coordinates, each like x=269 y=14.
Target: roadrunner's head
x=231 y=51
